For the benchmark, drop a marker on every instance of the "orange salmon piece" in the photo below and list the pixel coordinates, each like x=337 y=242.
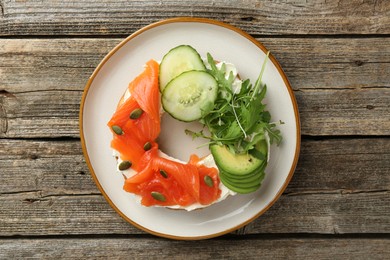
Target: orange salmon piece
x=145 y=90
x=207 y=194
x=186 y=175
x=121 y=143
x=183 y=186
x=174 y=188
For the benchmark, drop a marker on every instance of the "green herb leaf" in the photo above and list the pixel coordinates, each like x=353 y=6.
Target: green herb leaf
x=238 y=120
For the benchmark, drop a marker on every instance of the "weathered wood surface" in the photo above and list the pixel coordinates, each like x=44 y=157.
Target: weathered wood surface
x=336 y=55
x=223 y=248
x=30 y=213
x=342 y=85
x=340 y=186
x=256 y=17
x=310 y=63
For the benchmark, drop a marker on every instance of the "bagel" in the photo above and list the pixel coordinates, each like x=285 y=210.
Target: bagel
x=150 y=162
x=207 y=161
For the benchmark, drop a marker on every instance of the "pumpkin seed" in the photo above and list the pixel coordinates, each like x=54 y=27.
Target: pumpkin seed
x=124 y=165
x=147 y=146
x=158 y=196
x=136 y=113
x=117 y=129
x=208 y=180
x=164 y=173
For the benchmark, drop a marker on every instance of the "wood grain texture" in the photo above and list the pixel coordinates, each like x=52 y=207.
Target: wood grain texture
x=344 y=112
x=340 y=90
x=256 y=17
x=340 y=186
x=40 y=114
x=349 y=165
x=336 y=55
x=310 y=63
x=147 y=248
x=47 y=167
x=326 y=213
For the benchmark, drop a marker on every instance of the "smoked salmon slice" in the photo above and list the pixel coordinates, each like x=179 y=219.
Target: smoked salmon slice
x=122 y=144
x=145 y=95
x=145 y=90
x=183 y=184
x=208 y=193
x=186 y=175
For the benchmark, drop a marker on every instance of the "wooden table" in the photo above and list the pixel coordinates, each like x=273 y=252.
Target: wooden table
x=337 y=57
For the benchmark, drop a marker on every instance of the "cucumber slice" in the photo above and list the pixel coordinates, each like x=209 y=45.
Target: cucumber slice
x=178 y=60
x=190 y=95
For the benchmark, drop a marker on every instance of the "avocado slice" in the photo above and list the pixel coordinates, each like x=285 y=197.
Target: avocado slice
x=244 y=182
x=242 y=173
x=256 y=172
x=239 y=164
x=239 y=189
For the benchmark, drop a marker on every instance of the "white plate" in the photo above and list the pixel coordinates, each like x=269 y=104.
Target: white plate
x=124 y=62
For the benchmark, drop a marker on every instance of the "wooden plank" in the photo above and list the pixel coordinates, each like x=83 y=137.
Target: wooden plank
x=50 y=64
x=327 y=213
x=350 y=165
x=148 y=248
x=325 y=63
x=54 y=215
x=58 y=167
x=40 y=114
x=340 y=90
x=344 y=112
x=46 y=182
x=124 y=17
x=50 y=167
x=337 y=213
